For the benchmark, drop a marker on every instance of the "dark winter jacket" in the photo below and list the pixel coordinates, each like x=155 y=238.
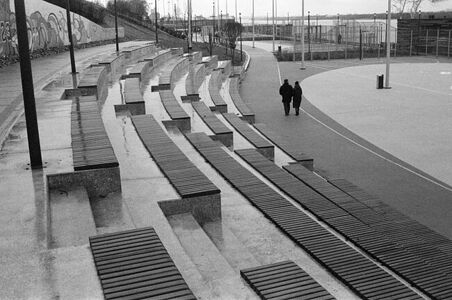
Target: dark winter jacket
x=286 y=92
x=297 y=93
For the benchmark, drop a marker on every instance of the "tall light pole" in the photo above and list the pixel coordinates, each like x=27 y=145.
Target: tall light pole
x=116 y=29
x=241 y=53
x=273 y=23
x=309 y=32
x=189 y=26
x=302 y=36
x=236 y=10
x=388 y=44
x=69 y=31
x=252 y=21
x=34 y=147
x=156 y=24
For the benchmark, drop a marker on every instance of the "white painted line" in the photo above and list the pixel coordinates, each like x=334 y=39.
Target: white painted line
x=369 y=150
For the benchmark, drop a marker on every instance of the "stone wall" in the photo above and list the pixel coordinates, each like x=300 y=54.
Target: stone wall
x=47 y=27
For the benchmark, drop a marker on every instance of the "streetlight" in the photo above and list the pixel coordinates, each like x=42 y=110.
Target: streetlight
x=309 y=32
x=69 y=31
x=388 y=44
x=156 y=24
x=418 y=33
x=34 y=147
x=241 y=53
x=302 y=36
x=252 y=21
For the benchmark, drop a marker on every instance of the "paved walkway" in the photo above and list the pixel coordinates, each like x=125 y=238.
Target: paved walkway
x=11 y=101
x=339 y=152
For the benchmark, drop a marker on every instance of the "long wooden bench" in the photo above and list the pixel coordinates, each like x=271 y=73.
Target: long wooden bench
x=214 y=91
x=284 y=280
x=199 y=195
x=177 y=114
x=132 y=96
x=169 y=72
x=134 y=264
x=91 y=147
x=282 y=143
x=244 y=110
x=193 y=81
x=93 y=82
x=261 y=144
x=355 y=270
x=336 y=209
x=134 y=52
x=435 y=248
x=159 y=57
x=210 y=61
x=221 y=132
x=139 y=70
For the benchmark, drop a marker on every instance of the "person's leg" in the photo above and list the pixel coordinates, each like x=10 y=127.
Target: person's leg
x=286 y=108
x=297 y=111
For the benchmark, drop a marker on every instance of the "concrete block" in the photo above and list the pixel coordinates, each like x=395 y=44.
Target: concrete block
x=203 y=208
x=97 y=182
x=226 y=139
x=268 y=152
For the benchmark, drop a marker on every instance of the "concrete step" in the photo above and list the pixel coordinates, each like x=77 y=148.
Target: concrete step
x=235 y=253
x=221 y=280
x=71 y=221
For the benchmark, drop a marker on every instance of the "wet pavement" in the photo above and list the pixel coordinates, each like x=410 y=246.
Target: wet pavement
x=340 y=152
x=44 y=236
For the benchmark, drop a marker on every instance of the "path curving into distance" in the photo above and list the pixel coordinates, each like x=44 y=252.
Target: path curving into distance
x=339 y=151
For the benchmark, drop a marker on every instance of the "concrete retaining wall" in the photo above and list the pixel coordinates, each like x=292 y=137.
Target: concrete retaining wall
x=47 y=27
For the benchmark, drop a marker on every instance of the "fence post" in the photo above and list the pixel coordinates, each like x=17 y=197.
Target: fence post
x=437 y=41
x=411 y=42
x=426 y=43
x=448 y=46
x=346 y=41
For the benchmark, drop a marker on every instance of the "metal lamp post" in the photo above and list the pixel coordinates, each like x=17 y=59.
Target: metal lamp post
x=116 y=29
x=418 y=33
x=388 y=45
x=69 y=30
x=34 y=146
x=252 y=21
x=156 y=24
x=309 y=32
x=302 y=36
x=241 y=53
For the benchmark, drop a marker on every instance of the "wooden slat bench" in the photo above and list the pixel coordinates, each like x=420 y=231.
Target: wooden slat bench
x=134 y=264
x=244 y=109
x=261 y=144
x=169 y=72
x=221 y=132
x=134 y=52
x=199 y=195
x=355 y=270
x=336 y=210
x=91 y=147
x=284 y=280
x=139 y=70
x=210 y=61
x=303 y=158
x=133 y=99
x=193 y=82
x=96 y=167
x=214 y=91
x=175 y=111
x=93 y=81
x=159 y=57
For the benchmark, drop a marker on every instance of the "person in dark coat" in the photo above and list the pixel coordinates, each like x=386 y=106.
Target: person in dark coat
x=286 y=91
x=297 y=94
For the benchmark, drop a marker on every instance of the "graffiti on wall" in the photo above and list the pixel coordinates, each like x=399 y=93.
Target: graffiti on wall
x=45 y=32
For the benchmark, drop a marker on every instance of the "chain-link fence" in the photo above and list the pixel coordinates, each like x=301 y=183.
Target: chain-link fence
x=351 y=39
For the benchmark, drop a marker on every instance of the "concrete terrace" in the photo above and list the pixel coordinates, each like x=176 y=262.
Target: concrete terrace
x=171 y=175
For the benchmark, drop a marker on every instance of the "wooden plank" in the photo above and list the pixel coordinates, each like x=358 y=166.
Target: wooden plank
x=152 y=273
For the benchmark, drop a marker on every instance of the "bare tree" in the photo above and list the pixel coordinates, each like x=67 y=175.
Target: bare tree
x=232 y=30
x=411 y=6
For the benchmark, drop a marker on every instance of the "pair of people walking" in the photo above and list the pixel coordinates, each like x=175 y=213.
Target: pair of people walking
x=288 y=93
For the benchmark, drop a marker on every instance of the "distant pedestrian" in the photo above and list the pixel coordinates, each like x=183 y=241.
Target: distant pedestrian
x=286 y=91
x=297 y=94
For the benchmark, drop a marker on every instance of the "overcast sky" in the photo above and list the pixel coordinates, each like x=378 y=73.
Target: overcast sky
x=293 y=7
